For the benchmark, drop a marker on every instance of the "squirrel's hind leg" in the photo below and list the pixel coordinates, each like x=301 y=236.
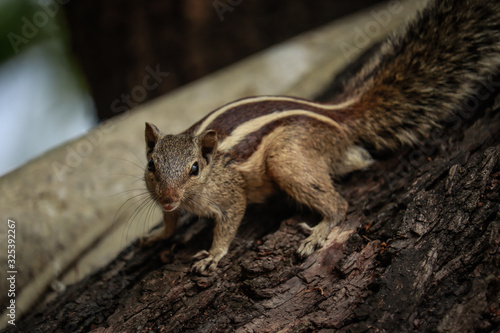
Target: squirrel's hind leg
x=305 y=176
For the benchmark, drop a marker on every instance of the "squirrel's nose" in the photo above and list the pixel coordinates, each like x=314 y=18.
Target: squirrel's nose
x=170 y=200
x=170 y=196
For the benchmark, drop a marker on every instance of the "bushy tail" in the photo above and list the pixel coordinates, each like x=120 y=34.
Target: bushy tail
x=445 y=61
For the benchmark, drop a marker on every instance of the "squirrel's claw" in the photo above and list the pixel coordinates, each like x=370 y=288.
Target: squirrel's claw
x=205 y=262
x=317 y=238
x=307 y=247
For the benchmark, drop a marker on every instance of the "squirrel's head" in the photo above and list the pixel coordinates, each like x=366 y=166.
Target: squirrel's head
x=177 y=165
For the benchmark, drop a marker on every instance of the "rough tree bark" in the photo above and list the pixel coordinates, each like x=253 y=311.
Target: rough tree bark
x=419 y=251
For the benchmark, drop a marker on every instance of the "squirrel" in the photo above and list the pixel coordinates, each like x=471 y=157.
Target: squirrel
x=244 y=151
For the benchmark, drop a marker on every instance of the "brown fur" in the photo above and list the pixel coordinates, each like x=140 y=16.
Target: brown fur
x=420 y=77
x=245 y=150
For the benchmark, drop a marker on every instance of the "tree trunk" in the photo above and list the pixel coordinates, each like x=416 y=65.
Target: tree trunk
x=419 y=251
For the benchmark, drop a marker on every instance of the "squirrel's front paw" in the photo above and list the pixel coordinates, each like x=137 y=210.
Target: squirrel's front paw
x=205 y=262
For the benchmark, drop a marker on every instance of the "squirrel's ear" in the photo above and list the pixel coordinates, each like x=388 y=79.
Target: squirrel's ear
x=208 y=144
x=153 y=134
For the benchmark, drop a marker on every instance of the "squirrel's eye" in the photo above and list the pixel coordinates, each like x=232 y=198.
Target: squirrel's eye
x=194 y=169
x=151 y=165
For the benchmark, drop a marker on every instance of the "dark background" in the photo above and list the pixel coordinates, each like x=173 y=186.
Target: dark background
x=116 y=41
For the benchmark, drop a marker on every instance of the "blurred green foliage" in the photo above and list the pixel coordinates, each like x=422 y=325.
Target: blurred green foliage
x=28 y=23
x=25 y=23
x=11 y=14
